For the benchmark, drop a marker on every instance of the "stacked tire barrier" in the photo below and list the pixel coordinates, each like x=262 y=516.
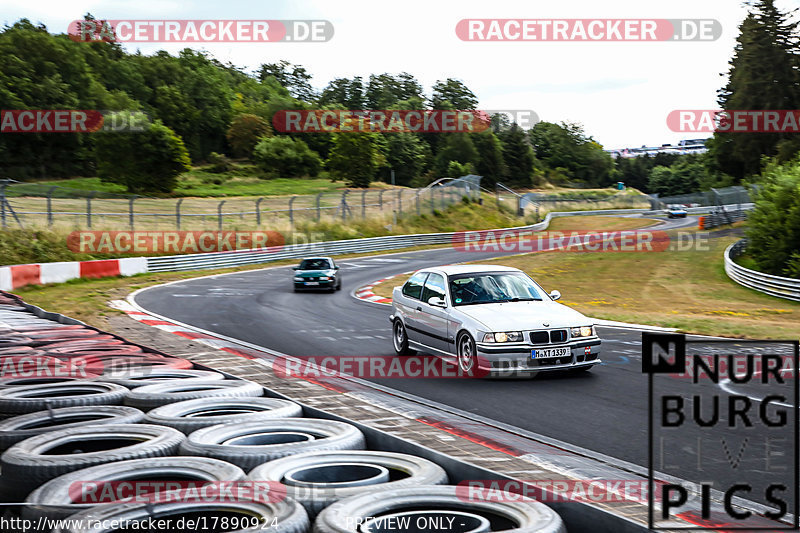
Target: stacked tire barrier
x=99 y=434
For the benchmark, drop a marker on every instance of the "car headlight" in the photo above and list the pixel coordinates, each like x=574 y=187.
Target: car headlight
x=298 y=279
x=324 y=278
x=583 y=331
x=506 y=336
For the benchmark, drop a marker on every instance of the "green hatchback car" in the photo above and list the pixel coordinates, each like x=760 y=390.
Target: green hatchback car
x=317 y=273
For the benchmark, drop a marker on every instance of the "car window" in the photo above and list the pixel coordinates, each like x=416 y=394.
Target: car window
x=434 y=286
x=494 y=287
x=315 y=264
x=413 y=287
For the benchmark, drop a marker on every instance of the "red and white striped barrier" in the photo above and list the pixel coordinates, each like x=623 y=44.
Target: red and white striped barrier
x=16 y=276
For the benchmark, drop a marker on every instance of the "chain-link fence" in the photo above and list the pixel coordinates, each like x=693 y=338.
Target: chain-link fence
x=723 y=196
x=43 y=205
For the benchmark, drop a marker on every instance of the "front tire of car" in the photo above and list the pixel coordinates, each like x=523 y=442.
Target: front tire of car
x=466 y=353
x=400 y=339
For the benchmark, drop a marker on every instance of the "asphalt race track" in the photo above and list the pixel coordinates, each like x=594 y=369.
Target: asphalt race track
x=604 y=410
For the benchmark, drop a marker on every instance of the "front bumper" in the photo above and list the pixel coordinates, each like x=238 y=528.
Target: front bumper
x=516 y=359
x=319 y=284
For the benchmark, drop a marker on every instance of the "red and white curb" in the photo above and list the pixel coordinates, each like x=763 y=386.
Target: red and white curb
x=365 y=293
x=16 y=276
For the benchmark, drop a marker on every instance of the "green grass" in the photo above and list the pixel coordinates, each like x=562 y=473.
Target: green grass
x=201 y=183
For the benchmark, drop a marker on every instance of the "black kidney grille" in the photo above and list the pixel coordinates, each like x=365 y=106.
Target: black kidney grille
x=558 y=335
x=540 y=337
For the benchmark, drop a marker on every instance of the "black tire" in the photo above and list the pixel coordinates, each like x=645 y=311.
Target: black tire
x=525 y=516
x=19 y=428
x=289 y=516
x=467 y=356
x=38 y=459
x=191 y=415
x=151 y=396
x=140 y=377
x=403 y=471
x=62 y=496
x=400 y=338
x=30 y=398
x=245 y=445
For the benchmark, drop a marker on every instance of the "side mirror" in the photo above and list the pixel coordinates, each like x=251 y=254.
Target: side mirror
x=295 y=268
x=555 y=295
x=336 y=267
x=436 y=302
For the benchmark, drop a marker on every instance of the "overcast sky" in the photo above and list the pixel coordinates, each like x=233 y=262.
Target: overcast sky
x=620 y=92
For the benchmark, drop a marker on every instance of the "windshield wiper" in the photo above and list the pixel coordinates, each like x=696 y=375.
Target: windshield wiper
x=518 y=299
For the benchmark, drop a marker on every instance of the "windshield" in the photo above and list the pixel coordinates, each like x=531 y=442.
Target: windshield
x=494 y=287
x=315 y=264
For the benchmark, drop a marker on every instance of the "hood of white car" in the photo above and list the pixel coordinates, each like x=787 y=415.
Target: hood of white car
x=520 y=316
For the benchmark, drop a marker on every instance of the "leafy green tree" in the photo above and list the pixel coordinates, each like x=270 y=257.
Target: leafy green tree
x=407 y=155
x=142 y=161
x=457 y=170
x=384 y=91
x=518 y=156
x=763 y=74
x=773 y=227
x=458 y=147
x=43 y=71
x=682 y=178
x=490 y=163
x=244 y=133
x=285 y=157
x=566 y=146
x=355 y=157
x=453 y=92
x=295 y=78
x=343 y=92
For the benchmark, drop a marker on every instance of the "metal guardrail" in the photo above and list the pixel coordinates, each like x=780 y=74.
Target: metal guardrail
x=788 y=288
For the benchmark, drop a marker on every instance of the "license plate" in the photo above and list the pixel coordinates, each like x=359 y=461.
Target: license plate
x=549 y=352
x=312 y=282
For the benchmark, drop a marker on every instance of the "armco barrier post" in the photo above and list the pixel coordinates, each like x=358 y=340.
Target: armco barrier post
x=130 y=210
x=89 y=208
x=319 y=196
x=364 y=204
x=219 y=215
x=291 y=211
x=178 y=213
x=380 y=199
x=50 y=205
x=258 y=210
x=400 y=202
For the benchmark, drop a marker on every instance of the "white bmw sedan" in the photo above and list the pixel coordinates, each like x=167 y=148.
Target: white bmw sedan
x=490 y=318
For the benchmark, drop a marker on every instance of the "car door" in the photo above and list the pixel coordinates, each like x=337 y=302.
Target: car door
x=409 y=306
x=432 y=318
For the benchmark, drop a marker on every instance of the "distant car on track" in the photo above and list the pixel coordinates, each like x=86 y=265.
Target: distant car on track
x=676 y=211
x=491 y=316
x=317 y=273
